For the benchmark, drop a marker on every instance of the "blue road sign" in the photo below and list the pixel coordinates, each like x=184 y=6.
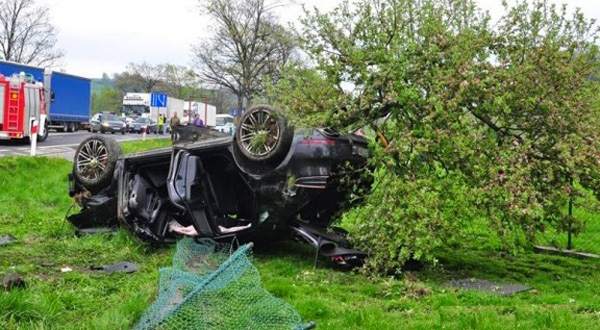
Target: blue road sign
x=234 y=112
x=158 y=100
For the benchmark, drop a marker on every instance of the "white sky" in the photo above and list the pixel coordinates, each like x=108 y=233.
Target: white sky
x=104 y=36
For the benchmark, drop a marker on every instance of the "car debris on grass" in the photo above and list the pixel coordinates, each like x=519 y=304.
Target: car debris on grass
x=7 y=239
x=12 y=281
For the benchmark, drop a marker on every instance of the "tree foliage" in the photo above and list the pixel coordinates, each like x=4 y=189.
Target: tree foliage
x=26 y=34
x=247 y=48
x=141 y=78
x=177 y=81
x=108 y=99
x=181 y=82
x=475 y=119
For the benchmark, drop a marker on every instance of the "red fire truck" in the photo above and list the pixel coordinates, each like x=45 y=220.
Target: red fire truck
x=22 y=101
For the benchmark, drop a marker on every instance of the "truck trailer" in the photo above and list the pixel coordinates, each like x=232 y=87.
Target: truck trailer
x=68 y=96
x=206 y=112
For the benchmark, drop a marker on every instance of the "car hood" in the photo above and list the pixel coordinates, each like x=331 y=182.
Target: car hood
x=113 y=123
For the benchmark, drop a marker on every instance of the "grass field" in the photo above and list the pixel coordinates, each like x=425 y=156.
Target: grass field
x=140 y=145
x=34 y=200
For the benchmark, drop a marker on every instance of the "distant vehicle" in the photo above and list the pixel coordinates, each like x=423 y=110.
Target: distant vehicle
x=84 y=125
x=150 y=125
x=22 y=101
x=167 y=126
x=206 y=112
x=107 y=122
x=128 y=122
x=68 y=97
x=137 y=105
x=225 y=124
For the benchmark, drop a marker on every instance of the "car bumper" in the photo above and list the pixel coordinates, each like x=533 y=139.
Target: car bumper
x=112 y=129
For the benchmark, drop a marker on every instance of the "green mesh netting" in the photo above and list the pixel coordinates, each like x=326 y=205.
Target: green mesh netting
x=210 y=286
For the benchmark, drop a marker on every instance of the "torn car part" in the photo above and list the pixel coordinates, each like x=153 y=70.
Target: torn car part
x=7 y=239
x=122 y=267
x=13 y=281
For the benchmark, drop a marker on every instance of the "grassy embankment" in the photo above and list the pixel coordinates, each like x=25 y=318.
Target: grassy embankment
x=33 y=202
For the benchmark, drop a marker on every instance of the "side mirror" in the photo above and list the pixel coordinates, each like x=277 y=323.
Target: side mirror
x=52 y=97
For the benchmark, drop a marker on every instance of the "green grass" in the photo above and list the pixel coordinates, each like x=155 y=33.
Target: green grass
x=34 y=200
x=586 y=241
x=129 y=147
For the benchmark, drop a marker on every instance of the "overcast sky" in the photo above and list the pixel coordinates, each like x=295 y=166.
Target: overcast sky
x=104 y=36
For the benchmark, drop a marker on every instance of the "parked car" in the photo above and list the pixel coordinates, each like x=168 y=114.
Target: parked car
x=167 y=126
x=225 y=124
x=107 y=122
x=84 y=125
x=149 y=124
x=128 y=123
x=282 y=184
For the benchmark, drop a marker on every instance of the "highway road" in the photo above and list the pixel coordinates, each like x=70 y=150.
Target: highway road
x=62 y=144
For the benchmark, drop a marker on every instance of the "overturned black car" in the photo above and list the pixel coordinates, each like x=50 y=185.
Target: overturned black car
x=268 y=182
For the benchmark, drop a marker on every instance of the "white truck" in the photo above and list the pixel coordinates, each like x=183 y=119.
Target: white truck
x=139 y=105
x=206 y=112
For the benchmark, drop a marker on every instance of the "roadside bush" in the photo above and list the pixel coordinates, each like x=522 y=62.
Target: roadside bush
x=475 y=120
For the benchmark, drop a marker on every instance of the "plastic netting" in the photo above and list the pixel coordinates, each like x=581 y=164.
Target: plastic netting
x=210 y=286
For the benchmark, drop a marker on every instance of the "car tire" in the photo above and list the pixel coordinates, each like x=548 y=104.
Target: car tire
x=66 y=127
x=102 y=132
x=94 y=162
x=269 y=122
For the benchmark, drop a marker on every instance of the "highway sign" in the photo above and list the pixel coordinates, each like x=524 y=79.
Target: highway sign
x=158 y=100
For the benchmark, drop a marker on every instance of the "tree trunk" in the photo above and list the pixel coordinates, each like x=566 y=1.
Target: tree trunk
x=240 y=105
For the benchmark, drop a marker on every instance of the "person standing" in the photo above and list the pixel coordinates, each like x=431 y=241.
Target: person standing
x=198 y=122
x=161 y=123
x=174 y=126
x=186 y=117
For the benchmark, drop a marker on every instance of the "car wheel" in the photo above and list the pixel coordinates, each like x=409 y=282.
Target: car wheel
x=66 y=127
x=102 y=132
x=263 y=135
x=42 y=138
x=112 y=132
x=95 y=161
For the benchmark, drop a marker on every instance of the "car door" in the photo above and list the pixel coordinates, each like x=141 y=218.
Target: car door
x=95 y=122
x=188 y=192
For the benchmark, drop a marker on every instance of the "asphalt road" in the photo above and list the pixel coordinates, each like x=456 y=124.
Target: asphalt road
x=62 y=144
